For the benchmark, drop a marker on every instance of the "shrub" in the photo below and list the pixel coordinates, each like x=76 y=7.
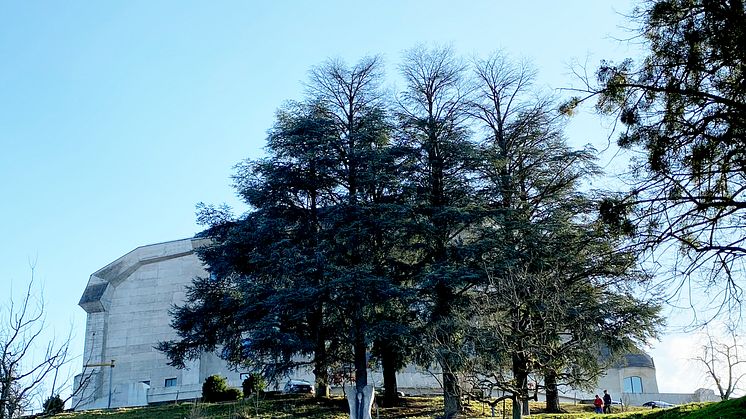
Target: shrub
x=253 y=384
x=231 y=394
x=54 y=405
x=213 y=388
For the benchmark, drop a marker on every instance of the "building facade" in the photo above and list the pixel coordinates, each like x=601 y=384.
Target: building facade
x=127 y=304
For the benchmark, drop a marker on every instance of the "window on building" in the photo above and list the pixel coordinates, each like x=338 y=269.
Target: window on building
x=146 y=382
x=170 y=382
x=633 y=385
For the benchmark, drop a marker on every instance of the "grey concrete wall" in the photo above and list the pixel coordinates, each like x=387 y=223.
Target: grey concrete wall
x=142 y=286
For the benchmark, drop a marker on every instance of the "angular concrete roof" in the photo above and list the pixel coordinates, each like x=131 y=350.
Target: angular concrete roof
x=637 y=358
x=97 y=294
x=641 y=360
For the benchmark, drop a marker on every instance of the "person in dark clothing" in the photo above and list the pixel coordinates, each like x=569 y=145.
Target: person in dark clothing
x=607 y=402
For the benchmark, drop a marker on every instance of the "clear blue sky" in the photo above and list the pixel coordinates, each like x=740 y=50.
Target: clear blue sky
x=117 y=117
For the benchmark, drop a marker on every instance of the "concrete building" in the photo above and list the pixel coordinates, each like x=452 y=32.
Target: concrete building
x=128 y=301
x=633 y=375
x=633 y=381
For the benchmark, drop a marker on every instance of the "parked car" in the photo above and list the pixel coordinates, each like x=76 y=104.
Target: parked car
x=658 y=403
x=298 y=387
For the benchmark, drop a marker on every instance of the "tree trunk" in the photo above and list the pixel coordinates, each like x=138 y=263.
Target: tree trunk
x=550 y=384
x=322 y=380
x=5 y=401
x=520 y=375
x=526 y=407
x=388 y=363
x=451 y=394
x=517 y=406
x=320 y=370
x=360 y=355
x=361 y=364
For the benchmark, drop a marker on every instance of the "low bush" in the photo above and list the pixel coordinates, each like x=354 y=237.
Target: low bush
x=54 y=405
x=215 y=389
x=253 y=384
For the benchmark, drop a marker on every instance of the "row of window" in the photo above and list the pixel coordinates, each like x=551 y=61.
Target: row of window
x=168 y=382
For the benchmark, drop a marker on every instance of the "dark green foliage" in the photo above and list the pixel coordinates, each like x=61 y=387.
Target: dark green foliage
x=215 y=389
x=53 y=405
x=683 y=106
x=232 y=394
x=303 y=273
x=253 y=384
x=450 y=231
x=266 y=291
x=554 y=291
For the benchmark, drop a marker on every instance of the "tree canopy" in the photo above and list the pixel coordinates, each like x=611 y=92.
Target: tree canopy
x=683 y=106
x=446 y=228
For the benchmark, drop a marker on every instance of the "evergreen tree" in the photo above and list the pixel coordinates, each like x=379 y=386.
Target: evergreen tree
x=356 y=230
x=682 y=107
x=416 y=240
x=443 y=204
x=266 y=300
x=306 y=267
x=550 y=265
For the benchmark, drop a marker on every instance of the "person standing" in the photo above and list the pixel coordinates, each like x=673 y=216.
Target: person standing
x=607 y=402
x=597 y=404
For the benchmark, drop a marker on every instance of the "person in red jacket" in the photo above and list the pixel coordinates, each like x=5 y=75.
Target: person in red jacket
x=598 y=404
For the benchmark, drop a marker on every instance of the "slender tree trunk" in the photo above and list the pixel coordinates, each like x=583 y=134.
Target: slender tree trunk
x=445 y=337
x=5 y=401
x=388 y=363
x=320 y=371
x=550 y=384
x=517 y=410
x=360 y=353
x=520 y=375
x=361 y=370
x=361 y=364
x=451 y=394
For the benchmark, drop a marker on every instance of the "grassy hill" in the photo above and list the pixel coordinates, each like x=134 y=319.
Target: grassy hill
x=413 y=408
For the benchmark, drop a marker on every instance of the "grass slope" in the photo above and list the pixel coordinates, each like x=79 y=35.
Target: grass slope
x=412 y=408
x=730 y=409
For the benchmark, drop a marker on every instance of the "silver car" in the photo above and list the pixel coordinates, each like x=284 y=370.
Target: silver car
x=658 y=403
x=298 y=386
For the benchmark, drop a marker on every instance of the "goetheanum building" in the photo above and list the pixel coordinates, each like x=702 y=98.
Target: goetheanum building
x=127 y=304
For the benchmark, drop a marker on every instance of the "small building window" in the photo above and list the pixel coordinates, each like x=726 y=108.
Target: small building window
x=146 y=382
x=633 y=385
x=170 y=382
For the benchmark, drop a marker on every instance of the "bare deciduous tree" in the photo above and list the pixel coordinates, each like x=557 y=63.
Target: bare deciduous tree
x=722 y=361
x=25 y=360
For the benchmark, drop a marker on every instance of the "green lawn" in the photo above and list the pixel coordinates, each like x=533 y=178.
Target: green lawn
x=413 y=408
